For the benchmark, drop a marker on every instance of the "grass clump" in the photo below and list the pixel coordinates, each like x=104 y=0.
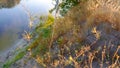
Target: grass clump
x=77 y=38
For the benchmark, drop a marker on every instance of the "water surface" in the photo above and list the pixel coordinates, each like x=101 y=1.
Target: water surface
x=14 y=18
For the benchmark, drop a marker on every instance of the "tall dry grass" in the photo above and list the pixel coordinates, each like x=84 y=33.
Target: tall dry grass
x=81 y=22
x=76 y=41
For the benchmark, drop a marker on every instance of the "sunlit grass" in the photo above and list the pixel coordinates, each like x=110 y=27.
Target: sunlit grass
x=64 y=41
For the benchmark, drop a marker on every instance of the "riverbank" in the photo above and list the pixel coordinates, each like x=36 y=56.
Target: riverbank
x=59 y=44
x=19 y=47
x=8 y=54
x=22 y=49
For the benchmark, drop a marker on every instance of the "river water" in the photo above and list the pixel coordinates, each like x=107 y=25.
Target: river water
x=14 y=18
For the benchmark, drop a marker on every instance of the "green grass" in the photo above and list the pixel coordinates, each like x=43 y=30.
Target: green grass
x=39 y=45
x=16 y=58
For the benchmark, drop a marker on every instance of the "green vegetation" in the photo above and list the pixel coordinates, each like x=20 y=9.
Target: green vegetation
x=77 y=39
x=14 y=59
x=66 y=5
x=40 y=44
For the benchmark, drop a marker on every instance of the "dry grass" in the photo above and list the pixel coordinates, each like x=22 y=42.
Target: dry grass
x=83 y=58
x=68 y=41
x=75 y=27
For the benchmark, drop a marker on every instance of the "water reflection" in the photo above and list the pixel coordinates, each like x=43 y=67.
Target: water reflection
x=8 y=3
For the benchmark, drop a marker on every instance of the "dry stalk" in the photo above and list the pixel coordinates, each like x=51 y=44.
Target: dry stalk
x=115 y=65
x=115 y=54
